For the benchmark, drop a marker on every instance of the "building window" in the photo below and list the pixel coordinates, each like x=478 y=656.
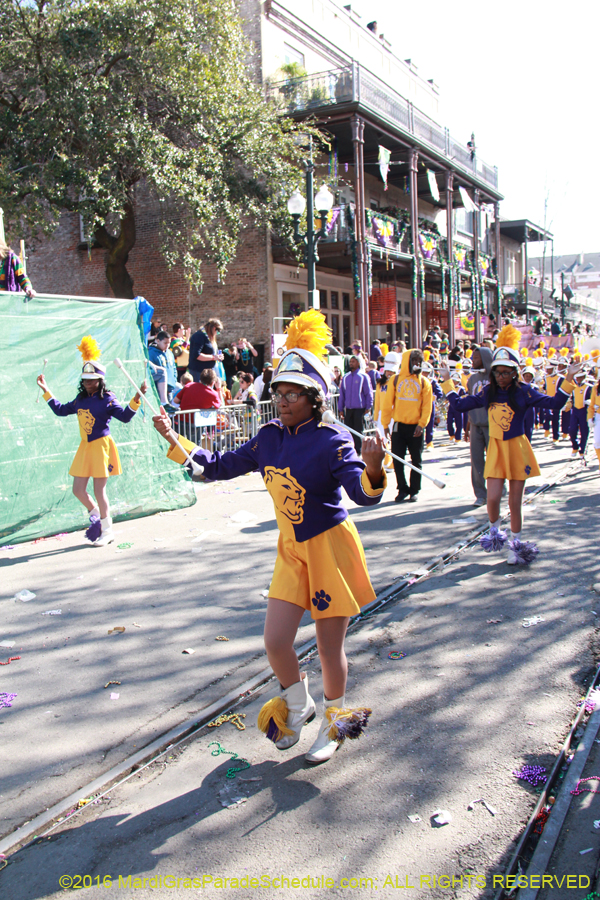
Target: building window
x=293 y=304
x=407 y=308
x=345 y=301
x=291 y=55
x=335 y=300
x=323 y=299
x=463 y=221
x=347 y=334
x=374 y=204
x=335 y=330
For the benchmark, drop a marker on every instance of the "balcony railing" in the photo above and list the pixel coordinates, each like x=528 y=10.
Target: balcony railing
x=354 y=84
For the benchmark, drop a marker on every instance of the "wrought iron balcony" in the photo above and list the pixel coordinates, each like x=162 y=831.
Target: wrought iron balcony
x=355 y=85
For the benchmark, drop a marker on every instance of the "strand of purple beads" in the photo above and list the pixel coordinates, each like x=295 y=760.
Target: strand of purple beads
x=533 y=774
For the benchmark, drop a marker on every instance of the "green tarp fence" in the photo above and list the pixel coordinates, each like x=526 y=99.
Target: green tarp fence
x=37 y=447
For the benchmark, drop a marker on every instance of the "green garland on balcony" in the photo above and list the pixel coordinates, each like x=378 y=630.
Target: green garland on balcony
x=443 y=291
x=414 y=291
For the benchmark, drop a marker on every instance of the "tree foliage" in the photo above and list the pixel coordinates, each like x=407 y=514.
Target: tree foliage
x=97 y=96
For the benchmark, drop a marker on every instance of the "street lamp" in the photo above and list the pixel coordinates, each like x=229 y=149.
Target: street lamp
x=296 y=206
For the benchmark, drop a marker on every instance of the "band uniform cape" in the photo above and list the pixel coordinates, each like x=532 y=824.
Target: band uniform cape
x=509 y=452
x=320 y=560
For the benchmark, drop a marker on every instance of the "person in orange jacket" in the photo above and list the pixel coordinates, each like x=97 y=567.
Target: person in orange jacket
x=405 y=412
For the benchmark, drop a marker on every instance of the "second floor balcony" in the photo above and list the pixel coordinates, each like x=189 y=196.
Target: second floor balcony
x=356 y=87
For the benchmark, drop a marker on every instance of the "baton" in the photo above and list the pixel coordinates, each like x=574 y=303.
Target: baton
x=404 y=462
x=39 y=388
x=197 y=469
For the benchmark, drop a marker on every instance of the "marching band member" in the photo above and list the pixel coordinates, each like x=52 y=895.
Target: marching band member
x=97 y=456
x=320 y=562
x=509 y=455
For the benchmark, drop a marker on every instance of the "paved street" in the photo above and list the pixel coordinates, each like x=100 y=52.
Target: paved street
x=476 y=696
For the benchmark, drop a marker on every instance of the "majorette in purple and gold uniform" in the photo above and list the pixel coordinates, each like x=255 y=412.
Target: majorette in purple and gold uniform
x=320 y=562
x=97 y=455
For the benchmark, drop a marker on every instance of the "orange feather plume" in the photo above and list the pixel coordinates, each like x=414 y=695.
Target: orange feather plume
x=508 y=337
x=89 y=349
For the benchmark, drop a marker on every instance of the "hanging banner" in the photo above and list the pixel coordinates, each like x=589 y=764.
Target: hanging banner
x=332 y=217
x=466 y=199
x=383 y=229
x=384 y=164
x=428 y=242
x=460 y=256
x=433 y=185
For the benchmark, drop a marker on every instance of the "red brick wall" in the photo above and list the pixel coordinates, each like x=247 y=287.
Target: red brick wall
x=56 y=266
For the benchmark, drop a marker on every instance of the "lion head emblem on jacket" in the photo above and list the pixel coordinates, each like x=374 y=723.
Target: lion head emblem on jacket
x=501 y=415
x=287 y=494
x=86 y=421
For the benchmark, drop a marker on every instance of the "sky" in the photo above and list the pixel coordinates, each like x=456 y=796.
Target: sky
x=524 y=77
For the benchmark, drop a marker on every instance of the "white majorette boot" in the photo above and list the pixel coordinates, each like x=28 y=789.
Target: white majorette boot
x=338 y=724
x=107 y=536
x=520 y=553
x=282 y=718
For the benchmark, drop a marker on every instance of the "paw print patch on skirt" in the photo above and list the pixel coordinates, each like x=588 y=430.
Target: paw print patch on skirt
x=321 y=600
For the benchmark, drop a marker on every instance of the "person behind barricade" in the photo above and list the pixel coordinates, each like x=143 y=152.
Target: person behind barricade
x=186 y=378
x=204 y=352
x=405 y=412
x=163 y=368
x=262 y=384
x=97 y=456
x=247 y=355
x=180 y=348
x=356 y=397
x=247 y=393
x=479 y=433
x=202 y=395
x=510 y=456
x=12 y=272
x=320 y=567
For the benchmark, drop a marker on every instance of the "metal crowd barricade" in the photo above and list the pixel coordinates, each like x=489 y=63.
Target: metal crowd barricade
x=231 y=426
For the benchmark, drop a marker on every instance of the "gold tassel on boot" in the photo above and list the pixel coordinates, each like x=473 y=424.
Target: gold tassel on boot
x=272 y=719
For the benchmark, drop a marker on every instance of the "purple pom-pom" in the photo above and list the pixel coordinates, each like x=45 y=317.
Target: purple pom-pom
x=95 y=529
x=525 y=551
x=273 y=731
x=493 y=540
x=354 y=727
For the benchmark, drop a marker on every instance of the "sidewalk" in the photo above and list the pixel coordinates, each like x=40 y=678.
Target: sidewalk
x=476 y=697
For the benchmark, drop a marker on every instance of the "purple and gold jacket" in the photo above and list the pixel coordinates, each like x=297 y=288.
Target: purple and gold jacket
x=504 y=422
x=304 y=470
x=94 y=413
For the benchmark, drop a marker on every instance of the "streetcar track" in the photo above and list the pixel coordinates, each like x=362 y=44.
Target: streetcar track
x=42 y=825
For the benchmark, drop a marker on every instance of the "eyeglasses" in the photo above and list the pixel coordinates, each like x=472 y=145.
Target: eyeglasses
x=290 y=397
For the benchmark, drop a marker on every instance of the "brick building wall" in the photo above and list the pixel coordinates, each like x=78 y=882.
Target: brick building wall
x=60 y=265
